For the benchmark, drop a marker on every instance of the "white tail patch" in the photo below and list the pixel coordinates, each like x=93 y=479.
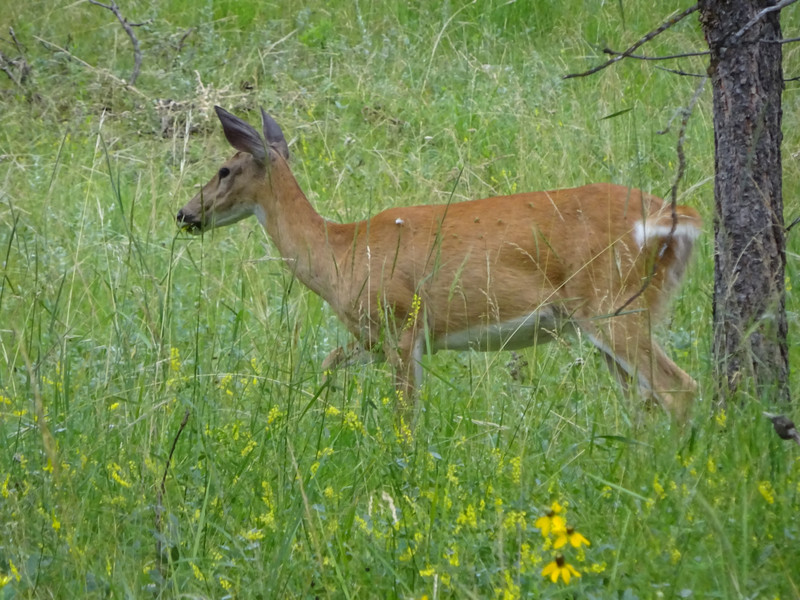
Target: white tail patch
x=657 y=229
x=645 y=232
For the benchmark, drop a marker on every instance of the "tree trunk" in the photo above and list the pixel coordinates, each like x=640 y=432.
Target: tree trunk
x=749 y=294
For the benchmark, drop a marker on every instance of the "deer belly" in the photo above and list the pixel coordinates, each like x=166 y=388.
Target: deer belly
x=538 y=327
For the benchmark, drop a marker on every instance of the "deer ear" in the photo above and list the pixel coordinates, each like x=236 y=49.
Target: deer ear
x=274 y=135
x=241 y=135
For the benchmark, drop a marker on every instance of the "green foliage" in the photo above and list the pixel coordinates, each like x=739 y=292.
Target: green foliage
x=113 y=324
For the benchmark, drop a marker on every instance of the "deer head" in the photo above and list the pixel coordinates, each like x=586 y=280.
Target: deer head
x=236 y=189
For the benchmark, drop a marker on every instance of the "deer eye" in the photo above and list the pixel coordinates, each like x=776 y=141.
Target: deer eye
x=224 y=172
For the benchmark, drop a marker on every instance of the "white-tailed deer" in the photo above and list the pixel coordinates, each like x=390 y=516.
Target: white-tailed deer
x=491 y=274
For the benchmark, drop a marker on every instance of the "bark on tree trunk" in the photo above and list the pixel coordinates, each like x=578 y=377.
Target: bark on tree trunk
x=749 y=294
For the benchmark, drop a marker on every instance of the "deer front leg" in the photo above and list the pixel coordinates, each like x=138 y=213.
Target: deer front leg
x=406 y=357
x=354 y=354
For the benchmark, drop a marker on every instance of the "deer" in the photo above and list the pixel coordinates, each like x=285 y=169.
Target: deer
x=500 y=273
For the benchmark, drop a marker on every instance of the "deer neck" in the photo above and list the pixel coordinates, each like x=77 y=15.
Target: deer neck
x=299 y=233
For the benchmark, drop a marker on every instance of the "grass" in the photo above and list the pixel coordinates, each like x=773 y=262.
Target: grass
x=113 y=324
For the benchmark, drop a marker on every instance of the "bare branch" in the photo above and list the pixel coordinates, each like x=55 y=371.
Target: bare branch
x=782 y=41
x=679 y=72
x=660 y=29
x=687 y=112
x=18 y=68
x=128 y=27
x=16 y=41
x=667 y=57
x=182 y=41
x=738 y=35
x=5 y=68
x=104 y=72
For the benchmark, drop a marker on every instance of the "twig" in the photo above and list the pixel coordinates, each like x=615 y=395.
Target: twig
x=4 y=62
x=103 y=72
x=667 y=57
x=159 y=508
x=792 y=224
x=782 y=41
x=20 y=64
x=128 y=27
x=663 y=27
x=683 y=73
x=687 y=112
x=183 y=39
x=16 y=41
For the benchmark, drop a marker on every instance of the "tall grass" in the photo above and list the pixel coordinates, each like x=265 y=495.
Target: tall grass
x=113 y=324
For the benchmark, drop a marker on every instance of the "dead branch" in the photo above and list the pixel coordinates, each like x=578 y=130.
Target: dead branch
x=16 y=41
x=687 y=112
x=182 y=41
x=18 y=68
x=679 y=72
x=5 y=67
x=159 y=507
x=666 y=57
x=734 y=39
x=103 y=72
x=128 y=27
x=660 y=29
x=782 y=41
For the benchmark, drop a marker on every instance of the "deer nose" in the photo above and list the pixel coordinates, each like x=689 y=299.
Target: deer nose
x=185 y=218
x=187 y=221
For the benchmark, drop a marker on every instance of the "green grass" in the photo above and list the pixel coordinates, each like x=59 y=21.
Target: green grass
x=113 y=324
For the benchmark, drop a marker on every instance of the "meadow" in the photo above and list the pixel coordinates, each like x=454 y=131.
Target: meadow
x=166 y=428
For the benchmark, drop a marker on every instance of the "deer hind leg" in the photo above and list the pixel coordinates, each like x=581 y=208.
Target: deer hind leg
x=634 y=356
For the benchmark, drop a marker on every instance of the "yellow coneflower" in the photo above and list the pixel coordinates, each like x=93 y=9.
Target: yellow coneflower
x=560 y=568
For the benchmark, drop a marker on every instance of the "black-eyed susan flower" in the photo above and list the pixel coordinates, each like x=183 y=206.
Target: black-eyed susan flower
x=552 y=521
x=560 y=568
x=568 y=534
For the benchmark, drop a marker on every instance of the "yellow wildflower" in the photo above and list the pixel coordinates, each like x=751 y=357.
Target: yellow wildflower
x=253 y=535
x=14 y=571
x=174 y=359
x=569 y=535
x=115 y=469
x=765 y=489
x=198 y=574
x=560 y=568
x=273 y=415
x=598 y=567
x=552 y=521
x=516 y=468
x=658 y=488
